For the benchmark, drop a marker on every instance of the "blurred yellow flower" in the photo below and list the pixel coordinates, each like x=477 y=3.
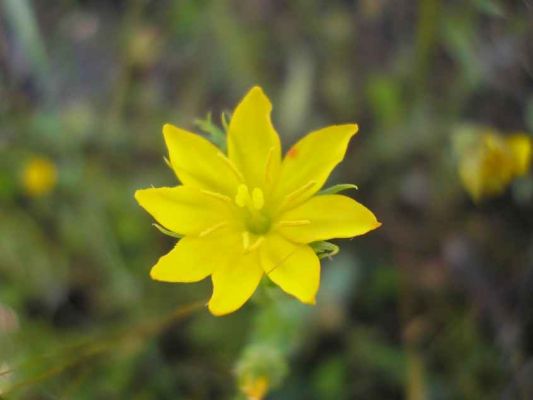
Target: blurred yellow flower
x=488 y=162
x=261 y=367
x=255 y=388
x=250 y=213
x=39 y=176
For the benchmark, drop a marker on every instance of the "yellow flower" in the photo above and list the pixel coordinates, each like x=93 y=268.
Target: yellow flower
x=250 y=213
x=261 y=367
x=39 y=176
x=489 y=162
x=255 y=388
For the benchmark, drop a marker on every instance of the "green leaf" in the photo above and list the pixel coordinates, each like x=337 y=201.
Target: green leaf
x=166 y=231
x=338 y=188
x=325 y=249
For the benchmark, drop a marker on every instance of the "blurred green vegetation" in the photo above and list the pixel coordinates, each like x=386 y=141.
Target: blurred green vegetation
x=436 y=304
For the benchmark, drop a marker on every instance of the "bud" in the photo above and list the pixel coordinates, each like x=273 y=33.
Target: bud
x=260 y=368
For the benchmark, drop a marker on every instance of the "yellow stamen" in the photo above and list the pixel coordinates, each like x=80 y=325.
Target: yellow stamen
x=242 y=198
x=232 y=166
x=258 y=200
x=292 y=223
x=268 y=172
x=294 y=194
x=256 y=244
x=246 y=240
x=213 y=228
x=216 y=195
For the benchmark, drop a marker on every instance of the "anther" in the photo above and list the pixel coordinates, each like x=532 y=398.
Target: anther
x=242 y=198
x=258 y=200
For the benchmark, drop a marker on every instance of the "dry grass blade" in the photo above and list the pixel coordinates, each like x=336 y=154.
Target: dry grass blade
x=99 y=346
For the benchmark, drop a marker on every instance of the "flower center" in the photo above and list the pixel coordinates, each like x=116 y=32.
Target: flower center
x=256 y=221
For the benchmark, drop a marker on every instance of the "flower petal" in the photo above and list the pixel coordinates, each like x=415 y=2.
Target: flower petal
x=293 y=267
x=185 y=210
x=520 y=145
x=253 y=144
x=191 y=260
x=235 y=281
x=308 y=163
x=199 y=163
x=326 y=217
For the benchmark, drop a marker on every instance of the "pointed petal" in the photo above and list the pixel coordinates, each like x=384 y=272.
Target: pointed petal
x=308 y=163
x=235 y=281
x=520 y=145
x=199 y=163
x=191 y=260
x=326 y=217
x=293 y=267
x=185 y=210
x=253 y=144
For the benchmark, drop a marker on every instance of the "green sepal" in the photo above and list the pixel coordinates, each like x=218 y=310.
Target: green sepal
x=338 y=188
x=218 y=135
x=225 y=117
x=325 y=249
x=166 y=231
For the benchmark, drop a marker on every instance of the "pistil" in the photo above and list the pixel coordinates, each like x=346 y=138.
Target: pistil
x=256 y=220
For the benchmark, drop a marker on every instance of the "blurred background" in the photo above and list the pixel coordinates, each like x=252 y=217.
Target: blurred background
x=436 y=304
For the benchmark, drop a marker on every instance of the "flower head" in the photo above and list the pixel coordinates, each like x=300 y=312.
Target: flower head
x=39 y=176
x=488 y=161
x=250 y=213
